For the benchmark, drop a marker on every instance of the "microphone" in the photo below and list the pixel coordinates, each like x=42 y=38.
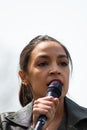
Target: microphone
x=54 y=89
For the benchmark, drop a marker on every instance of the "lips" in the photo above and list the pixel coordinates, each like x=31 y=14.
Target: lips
x=58 y=80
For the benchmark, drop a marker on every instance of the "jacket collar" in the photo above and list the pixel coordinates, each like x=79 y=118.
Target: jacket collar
x=75 y=113
x=22 y=117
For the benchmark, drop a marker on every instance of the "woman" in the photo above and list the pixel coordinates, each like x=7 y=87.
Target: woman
x=43 y=61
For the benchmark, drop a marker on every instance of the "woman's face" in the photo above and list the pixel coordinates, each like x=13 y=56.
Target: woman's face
x=48 y=62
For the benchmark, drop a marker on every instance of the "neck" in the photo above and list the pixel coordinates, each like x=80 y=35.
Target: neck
x=58 y=116
x=60 y=109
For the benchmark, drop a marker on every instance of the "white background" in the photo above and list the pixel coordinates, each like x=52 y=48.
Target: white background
x=22 y=20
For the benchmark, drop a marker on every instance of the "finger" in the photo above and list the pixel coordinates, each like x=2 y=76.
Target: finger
x=37 y=112
x=46 y=101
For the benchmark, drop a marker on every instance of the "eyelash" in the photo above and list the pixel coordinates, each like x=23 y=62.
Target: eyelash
x=62 y=64
x=42 y=64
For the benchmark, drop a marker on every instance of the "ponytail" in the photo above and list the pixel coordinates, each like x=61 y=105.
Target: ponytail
x=25 y=95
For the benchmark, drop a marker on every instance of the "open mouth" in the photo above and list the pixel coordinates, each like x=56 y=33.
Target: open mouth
x=57 y=80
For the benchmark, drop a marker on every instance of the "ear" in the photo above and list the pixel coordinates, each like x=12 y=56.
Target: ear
x=23 y=77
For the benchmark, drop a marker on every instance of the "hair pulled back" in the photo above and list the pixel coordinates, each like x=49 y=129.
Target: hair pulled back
x=25 y=94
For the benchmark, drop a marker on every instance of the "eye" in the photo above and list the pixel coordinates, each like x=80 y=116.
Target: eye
x=63 y=64
x=42 y=64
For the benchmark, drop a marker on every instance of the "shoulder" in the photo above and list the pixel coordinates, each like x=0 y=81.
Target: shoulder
x=77 y=115
x=3 y=119
x=73 y=106
x=20 y=118
x=4 y=115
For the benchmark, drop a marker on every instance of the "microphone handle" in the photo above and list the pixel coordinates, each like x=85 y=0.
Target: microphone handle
x=54 y=90
x=41 y=122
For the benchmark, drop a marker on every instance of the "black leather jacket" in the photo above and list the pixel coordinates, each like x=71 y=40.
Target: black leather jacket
x=21 y=120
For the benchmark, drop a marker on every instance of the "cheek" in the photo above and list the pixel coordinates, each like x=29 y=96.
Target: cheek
x=36 y=78
x=67 y=78
x=33 y=77
x=66 y=83
x=34 y=74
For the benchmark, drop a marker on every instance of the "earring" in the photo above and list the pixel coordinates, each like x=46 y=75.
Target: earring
x=24 y=83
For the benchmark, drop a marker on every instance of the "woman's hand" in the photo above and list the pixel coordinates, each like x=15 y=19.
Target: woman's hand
x=45 y=106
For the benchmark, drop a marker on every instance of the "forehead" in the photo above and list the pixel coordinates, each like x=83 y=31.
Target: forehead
x=48 y=47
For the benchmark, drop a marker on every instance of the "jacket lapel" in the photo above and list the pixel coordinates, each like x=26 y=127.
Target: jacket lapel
x=74 y=113
x=22 y=117
x=72 y=128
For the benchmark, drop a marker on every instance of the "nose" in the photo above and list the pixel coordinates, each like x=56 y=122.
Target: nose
x=55 y=69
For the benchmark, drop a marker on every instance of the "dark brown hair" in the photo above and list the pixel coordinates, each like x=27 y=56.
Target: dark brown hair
x=25 y=94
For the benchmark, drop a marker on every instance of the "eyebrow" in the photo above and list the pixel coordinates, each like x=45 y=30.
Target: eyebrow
x=63 y=56
x=47 y=57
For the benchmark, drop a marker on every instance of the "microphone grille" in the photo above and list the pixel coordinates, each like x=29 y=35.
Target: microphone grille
x=55 y=88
